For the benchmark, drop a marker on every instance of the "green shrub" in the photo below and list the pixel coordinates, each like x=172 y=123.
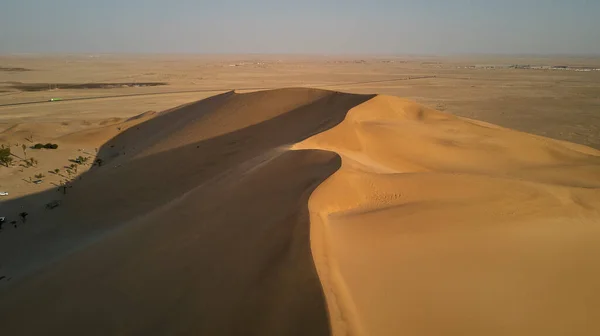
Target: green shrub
x=5 y=157
x=46 y=146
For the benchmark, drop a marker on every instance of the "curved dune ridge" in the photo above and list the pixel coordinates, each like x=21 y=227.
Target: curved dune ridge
x=310 y=212
x=196 y=224
x=439 y=225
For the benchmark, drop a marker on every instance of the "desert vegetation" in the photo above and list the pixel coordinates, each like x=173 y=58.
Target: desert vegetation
x=32 y=87
x=13 y=69
x=80 y=160
x=31 y=162
x=45 y=146
x=5 y=156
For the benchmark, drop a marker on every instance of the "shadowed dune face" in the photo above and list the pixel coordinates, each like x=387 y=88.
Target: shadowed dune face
x=223 y=260
x=421 y=223
x=197 y=223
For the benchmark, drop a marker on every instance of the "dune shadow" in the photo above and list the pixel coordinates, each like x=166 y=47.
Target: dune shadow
x=208 y=238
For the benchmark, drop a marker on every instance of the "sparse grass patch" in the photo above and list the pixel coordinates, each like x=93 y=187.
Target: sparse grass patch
x=79 y=160
x=5 y=156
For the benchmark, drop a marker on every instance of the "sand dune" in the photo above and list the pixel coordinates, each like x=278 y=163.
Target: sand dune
x=197 y=223
x=438 y=225
x=310 y=212
x=104 y=131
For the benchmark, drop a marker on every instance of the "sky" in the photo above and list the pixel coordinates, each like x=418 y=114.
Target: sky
x=304 y=26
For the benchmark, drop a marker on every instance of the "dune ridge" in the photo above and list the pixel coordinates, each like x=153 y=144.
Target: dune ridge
x=309 y=212
x=196 y=223
x=436 y=224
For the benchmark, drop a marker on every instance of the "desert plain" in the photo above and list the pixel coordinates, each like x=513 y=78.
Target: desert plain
x=300 y=195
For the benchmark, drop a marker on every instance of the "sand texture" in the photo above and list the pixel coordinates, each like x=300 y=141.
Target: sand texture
x=197 y=224
x=439 y=225
x=305 y=212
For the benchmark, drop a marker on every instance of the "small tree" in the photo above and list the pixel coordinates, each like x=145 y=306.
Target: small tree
x=56 y=171
x=24 y=150
x=8 y=161
x=5 y=156
x=39 y=176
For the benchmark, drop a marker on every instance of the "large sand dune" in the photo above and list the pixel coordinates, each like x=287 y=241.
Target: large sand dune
x=438 y=225
x=196 y=224
x=209 y=219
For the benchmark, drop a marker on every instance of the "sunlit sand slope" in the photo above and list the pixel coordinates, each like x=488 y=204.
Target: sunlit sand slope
x=438 y=225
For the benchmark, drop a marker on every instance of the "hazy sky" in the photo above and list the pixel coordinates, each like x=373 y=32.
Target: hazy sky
x=303 y=26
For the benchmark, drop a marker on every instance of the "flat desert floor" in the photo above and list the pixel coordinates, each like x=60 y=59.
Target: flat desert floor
x=300 y=195
x=553 y=103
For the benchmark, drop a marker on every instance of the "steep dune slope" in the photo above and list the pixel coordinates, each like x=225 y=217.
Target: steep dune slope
x=196 y=223
x=438 y=225
x=421 y=223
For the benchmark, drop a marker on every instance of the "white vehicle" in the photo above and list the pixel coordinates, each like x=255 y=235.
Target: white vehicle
x=3 y=193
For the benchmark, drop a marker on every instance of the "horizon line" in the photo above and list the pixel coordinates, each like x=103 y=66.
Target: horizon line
x=318 y=54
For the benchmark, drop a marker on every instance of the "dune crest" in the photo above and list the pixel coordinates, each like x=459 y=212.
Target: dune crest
x=439 y=225
x=195 y=224
x=201 y=221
